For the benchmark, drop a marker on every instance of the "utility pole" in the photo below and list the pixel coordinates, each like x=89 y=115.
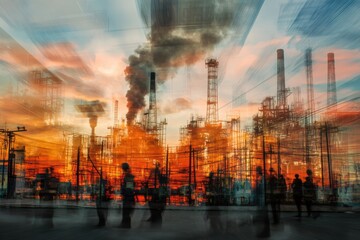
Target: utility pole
x=3 y=169
x=190 y=155
x=328 y=155
x=11 y=161
x=77 y=174
x=279 y=159
x=321 y=157
x=264 y=165
x=194 y=165
x=167 y=172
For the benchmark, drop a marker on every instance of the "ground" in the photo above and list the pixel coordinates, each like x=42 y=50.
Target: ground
x=74 y=222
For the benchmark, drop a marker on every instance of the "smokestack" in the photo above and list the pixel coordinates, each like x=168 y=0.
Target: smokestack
x=309 y=83
x=152 y=82
x=178 y=39
x=152 y=117
x=331 y=84
x=116 y=112
x=281 y=98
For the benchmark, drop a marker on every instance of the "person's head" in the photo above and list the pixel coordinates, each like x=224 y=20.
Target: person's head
x=156 y=163
x=296 y=175
x=259 y=170
x=125 y=166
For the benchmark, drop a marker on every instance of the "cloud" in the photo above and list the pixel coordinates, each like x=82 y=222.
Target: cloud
x=64 y=55
x=181 y=34
x=177 y=105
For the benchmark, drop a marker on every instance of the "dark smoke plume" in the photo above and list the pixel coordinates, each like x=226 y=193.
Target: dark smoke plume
x=182 y=33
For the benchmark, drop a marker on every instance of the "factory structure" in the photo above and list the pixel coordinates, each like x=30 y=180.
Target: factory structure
x=287 y=137
x=215 y=158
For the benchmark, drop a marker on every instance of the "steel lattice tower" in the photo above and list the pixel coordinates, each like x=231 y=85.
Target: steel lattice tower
x=212 y=97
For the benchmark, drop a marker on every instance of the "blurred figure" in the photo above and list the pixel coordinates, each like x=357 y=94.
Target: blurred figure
x=282 y=188
x=261 y=219
x=128 y=195
x=297 y=193
x=210 y=190
x=49 y=187
x=213 y=215
x=157 y=183
x=69 y=190
x=274 y=196
x=102 y=202
x=309 y=195
x=212 y=212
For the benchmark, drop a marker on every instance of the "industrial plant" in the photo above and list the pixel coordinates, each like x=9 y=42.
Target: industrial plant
x=216 y=159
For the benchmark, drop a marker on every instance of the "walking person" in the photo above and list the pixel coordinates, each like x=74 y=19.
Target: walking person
x=282 y=188
x=261 y=219
x=297 y=188
x=102 y=202
x=309 y=195
x=128 y=195
x=274 y=195
x=49 y=190
x=157 y=202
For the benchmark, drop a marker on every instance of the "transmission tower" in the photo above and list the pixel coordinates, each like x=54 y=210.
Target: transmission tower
x=212 y=97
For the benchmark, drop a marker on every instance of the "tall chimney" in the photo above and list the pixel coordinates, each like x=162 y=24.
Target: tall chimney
x=152 y=117
x=310 y=85
x=116 y=112
x=331 y=84
x=281 y=98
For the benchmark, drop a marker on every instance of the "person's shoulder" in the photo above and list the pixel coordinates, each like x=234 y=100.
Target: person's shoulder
x=130 y=175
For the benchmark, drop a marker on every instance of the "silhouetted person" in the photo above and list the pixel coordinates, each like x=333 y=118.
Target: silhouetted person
x=309 y=195
x=102 y=203
x=261 y=220
x=69 y=190
x=210 y=189
x=213 y=215
x=48 y=192
x=158 y=196
x=282 y=188
x=297 y=193
x=128 y=195
x=274 y=196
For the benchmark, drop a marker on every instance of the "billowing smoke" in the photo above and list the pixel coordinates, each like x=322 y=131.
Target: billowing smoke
x=182 y=33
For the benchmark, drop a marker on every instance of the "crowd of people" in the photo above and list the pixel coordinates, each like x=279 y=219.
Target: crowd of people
x=271 y=189
x=157 y=197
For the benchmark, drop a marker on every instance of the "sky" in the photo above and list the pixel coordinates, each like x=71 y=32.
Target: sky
x=89 y=44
